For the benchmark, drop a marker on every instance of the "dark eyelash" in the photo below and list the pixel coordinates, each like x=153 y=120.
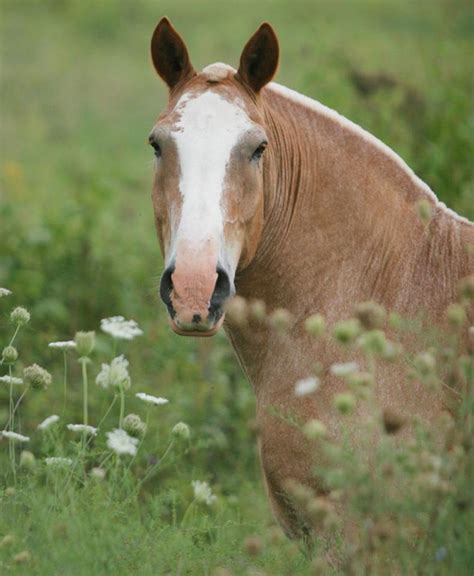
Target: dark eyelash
x=259 y=151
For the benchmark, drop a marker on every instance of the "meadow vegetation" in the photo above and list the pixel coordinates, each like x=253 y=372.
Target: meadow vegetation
x=77 y=245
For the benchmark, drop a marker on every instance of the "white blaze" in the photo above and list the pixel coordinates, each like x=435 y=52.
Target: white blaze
x=208 y=129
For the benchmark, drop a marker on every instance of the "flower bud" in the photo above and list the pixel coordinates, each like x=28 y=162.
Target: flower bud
x=346 y=331
x=181 y=431
x=20 y=316
x=370 y=314
x=373 y=342
x=85 y=342
x=23 y=557
x=345 y=402
x=27 y=459
x=9 y=355
x=456 y=315
x=315 y=325
x=38 y=378
x=7 y=541
x=134 y=425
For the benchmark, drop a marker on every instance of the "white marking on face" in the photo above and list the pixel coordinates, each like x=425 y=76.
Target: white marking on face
x=209 y=128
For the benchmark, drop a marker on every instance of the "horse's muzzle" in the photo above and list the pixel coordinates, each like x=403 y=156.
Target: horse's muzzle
x=189 y=317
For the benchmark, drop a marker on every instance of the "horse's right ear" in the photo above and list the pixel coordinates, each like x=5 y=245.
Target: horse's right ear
x=259 y=59
x=169 y=54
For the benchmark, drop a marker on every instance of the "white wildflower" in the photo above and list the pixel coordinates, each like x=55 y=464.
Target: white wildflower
x=11 y=380
x=120 y=328
x=203 y=492
x=58 y=461
x=4 y=292
x=49 y=421
x=149 y=399
x=65 y=345
x=14 y=436
x=83 y=428
x=306 y=386
x=344 y=368
x=114 y=374
x=121 y=443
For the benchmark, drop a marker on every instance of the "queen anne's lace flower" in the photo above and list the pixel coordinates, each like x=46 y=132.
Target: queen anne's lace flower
x=65 y=345
x=149 y=399
x=306 y=386
x=4 y=292
x=58 y=461
x=115 y=374
x=121 y=443
x=203 y=492
x=11 y=380
x=83 y=428
x=14 y=436
x=37 y=377
x=120 y=328
x=49 y=421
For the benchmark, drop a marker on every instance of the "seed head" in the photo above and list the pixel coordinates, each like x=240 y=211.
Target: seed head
x=181 y=431
x=237 y=310
x=9 y=354
x=370 y=314
x=456 y=315
x=345 y=402
x=253 y=545
x=38 y=378
x=20 y=316
x=346 y=331
x=23 y=557
x=315 y=325
x=392 y=421
x=373 y=342
x=134 y=425
x=27 y=459
x=425 y=364
x=85 y=342
x=280 y=319
x=258 y=310
x=466 y=288
x=7 y=541
x=314 y=429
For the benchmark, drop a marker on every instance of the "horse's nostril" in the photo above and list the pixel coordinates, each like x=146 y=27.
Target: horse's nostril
x=196 y=318
x=166 y=287
x=222 y=291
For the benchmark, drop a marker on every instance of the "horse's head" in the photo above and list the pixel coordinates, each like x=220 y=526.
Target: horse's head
x=208 y=186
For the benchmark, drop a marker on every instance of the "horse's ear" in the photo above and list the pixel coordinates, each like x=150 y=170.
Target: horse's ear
x=169 y=54
x=259 y=59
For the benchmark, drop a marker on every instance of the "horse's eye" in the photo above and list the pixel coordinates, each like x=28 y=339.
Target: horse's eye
x=259 y=151
x=156 y=148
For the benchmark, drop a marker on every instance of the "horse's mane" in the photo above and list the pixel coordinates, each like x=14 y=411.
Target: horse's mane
x=367 y=138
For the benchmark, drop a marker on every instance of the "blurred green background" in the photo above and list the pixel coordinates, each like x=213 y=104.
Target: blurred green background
x=78 y=99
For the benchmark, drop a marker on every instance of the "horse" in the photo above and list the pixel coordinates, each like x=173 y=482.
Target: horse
x=265 y=193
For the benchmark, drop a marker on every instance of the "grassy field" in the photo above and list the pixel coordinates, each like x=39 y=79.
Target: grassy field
x=77 y=244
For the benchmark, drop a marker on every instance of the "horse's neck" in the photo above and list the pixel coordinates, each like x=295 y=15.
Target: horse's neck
x=341 y=221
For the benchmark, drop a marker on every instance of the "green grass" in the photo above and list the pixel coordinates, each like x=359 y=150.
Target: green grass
x=78 y=99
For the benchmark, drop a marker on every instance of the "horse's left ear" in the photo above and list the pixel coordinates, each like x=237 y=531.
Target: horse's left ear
x=169 y=54
x=259 y=59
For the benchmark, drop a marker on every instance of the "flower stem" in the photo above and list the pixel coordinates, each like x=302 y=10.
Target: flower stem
x=65 y=381
x=11 y=447
x=85 y=391
x=122 y=406
x=153 y=469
